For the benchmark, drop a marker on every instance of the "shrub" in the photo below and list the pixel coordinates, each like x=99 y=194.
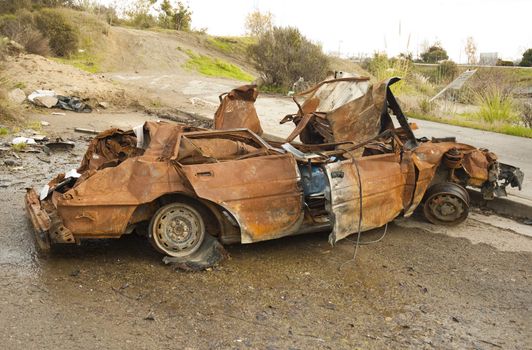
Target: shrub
x=283 y=55
x=382 y=68
x=495 y=106
x=20 y=28
x=426 y=106
x=62 y=35
x=447 y=70
x=11 y=6
x=526 y=113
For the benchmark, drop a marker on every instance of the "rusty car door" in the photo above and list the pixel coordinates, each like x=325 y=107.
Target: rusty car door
x=383 y=186
x=262 y=193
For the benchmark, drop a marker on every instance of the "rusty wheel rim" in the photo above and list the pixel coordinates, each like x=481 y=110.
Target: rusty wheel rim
x=447 y=204
x=177 y=230
x=446 y=207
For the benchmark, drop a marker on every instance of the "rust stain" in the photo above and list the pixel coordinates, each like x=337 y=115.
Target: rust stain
x=237 y=110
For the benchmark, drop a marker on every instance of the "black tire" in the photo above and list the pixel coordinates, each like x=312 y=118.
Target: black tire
x=446 y=203
x=177 y=229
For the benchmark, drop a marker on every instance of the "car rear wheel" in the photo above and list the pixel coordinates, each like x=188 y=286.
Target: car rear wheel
x=177 y=229
x=446 y=204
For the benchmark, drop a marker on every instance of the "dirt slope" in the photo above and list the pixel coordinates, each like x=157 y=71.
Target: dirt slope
x=32 y=72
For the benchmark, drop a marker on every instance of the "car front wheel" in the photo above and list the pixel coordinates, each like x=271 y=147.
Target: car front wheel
x=177 y=229
x=446 y=204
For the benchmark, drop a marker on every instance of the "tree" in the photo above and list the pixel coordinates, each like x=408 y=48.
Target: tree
x=434 y=54
x=527 y=59
x=178 y=18
x=471 y=50
x=258 y=23
x=283 y=55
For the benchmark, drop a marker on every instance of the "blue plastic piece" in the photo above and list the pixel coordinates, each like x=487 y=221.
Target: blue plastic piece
x=313 y=179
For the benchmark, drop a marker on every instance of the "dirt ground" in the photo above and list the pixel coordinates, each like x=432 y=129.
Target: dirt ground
x=421 y=287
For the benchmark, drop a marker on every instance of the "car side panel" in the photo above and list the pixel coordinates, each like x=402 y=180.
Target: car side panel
x=383 y=188
x=102 y=205
x=262 y=193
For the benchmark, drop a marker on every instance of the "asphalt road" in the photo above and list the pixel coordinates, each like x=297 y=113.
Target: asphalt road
x=512 y=150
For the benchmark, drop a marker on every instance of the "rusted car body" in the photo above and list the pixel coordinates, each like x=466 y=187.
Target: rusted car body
x=187 y=187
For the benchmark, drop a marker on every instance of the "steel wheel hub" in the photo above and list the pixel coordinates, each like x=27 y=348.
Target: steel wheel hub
x=446 y=207
x=446 y=203
x=178 y=229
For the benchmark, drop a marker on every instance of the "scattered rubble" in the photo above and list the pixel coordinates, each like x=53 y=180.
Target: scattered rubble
x=49 y=99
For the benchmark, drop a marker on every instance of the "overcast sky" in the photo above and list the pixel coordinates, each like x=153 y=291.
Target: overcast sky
x=363 y=27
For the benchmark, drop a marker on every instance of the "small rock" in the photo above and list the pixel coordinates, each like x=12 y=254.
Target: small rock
x=74 y=273
x=455 y=319
x=9 y=162
x=103 y=104
x=43 y=123
x=16 y=96
x=45 y=101
x=150 y=317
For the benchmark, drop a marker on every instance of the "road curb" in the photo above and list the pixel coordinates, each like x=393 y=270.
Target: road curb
x=503 y=206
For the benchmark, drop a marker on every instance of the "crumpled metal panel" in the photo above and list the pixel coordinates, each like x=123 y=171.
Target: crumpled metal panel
x=237 y=110
x=383 y=185
x=333 y=94
x=109 y=148
x=262 y=193
x=103 y=199
x=346 y=109
x=428 y=156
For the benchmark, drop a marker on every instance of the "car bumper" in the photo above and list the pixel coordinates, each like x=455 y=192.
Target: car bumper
x=39 y=218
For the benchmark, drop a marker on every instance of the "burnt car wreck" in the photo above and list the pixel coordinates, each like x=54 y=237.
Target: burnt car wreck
x=357 y=167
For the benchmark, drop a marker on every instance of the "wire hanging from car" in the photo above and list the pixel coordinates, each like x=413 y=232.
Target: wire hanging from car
x=359 y=230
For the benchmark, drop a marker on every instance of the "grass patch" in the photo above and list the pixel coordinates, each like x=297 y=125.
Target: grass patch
x=19 y=85
x=501 y=128
x=4 y=131
x=215 y=67
x=273 y=89
x=231 y=45
x=34 y=125
x=19 y=146
x=81 y=60
x=495 y=106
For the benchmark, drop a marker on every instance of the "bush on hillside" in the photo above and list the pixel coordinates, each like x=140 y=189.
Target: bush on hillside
x=63 y=37
x=21 y=28
x=283 y=55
